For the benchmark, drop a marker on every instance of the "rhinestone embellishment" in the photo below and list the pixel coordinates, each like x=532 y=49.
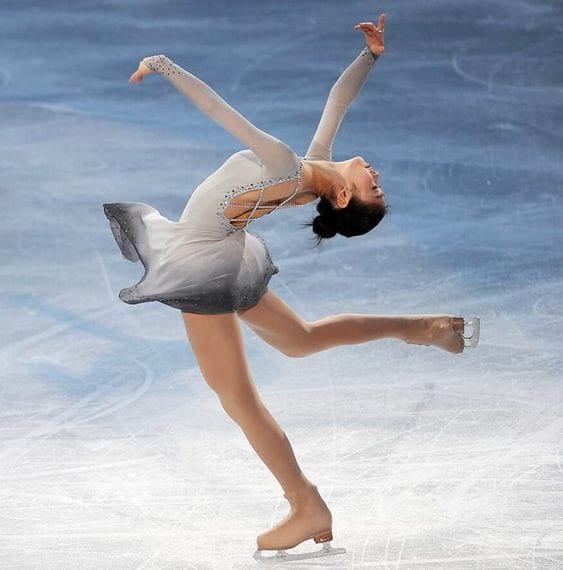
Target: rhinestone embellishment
x=262 y=185
x=161 y=64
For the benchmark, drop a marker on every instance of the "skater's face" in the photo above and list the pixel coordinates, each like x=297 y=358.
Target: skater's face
x=366 y=181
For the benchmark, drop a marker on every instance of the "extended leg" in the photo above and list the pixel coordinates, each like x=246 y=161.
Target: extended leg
x=355 y=328
x=276 y=322
x=218 y=346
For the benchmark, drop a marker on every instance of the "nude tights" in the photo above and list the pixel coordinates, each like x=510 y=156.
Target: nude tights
x=224 y=366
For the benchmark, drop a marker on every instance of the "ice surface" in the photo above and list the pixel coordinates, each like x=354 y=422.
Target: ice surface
x=114 y=453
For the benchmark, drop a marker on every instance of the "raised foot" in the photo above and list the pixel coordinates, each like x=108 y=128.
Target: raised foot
x=446 y=332
x=284 y=556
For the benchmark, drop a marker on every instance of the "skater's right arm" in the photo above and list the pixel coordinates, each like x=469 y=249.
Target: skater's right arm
x=271 y=150
x=345 y=90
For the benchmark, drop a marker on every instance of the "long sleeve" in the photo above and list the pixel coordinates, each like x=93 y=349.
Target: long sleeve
x=273 y=152
x=340 y=96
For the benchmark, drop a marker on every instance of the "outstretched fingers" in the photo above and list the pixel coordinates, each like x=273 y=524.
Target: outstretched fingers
x=373 y=34
x=381 y=23
x=371 y=27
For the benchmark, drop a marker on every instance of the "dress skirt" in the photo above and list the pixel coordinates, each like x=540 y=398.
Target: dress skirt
x=188 y=268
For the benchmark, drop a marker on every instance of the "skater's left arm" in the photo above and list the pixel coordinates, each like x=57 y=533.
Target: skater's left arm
x=271 y=150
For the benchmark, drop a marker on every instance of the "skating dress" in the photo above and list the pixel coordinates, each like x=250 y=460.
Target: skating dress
x=203 y=263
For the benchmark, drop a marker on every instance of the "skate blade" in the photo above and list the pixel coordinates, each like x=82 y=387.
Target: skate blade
x=473 y=340
x=284 y=556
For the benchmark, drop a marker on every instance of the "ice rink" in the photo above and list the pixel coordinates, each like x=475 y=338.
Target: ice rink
x=115 y=453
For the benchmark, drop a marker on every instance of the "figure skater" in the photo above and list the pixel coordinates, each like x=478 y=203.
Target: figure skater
x=216 y=271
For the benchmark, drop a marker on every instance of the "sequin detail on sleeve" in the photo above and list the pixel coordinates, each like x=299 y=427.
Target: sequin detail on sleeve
x=160 y=64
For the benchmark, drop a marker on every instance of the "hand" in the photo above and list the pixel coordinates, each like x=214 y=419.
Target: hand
x=142 y=70
x=373 y=34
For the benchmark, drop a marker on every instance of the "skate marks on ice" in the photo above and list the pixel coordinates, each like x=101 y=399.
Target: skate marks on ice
x=86 y=409
x=432 y=462
x=523 y=70
x=454 y=480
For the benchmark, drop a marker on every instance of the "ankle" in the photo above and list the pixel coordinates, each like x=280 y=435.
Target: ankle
x=301 y=485
x=302 y=496
x=414 y=328
x=300 y=493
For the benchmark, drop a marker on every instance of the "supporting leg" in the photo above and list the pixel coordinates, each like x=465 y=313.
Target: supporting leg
x=269 y=441
x=217 y=343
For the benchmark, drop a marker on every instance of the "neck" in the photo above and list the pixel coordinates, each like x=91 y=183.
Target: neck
x=321 y=177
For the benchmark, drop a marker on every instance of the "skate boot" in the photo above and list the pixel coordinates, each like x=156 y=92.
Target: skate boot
x=448 y=333
x=309 y=518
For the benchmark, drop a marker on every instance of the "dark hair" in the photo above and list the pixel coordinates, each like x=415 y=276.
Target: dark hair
x=356 y=219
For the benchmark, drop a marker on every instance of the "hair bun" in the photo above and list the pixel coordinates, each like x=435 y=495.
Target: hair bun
x=322 y=228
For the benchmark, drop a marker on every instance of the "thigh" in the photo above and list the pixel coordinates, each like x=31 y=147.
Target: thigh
x=277 y=323
x=217 y=343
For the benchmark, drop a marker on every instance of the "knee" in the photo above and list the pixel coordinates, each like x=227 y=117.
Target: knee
x=297 y=351
x=240 y=408
x=302 y=344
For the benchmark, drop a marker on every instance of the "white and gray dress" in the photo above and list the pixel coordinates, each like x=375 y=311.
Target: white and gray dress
x=202 y=263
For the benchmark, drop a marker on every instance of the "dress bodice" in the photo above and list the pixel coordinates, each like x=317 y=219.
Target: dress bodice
x=242 y=173
x=251 y=209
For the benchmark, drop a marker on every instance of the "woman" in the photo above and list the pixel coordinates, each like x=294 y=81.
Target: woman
x=216 y=272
